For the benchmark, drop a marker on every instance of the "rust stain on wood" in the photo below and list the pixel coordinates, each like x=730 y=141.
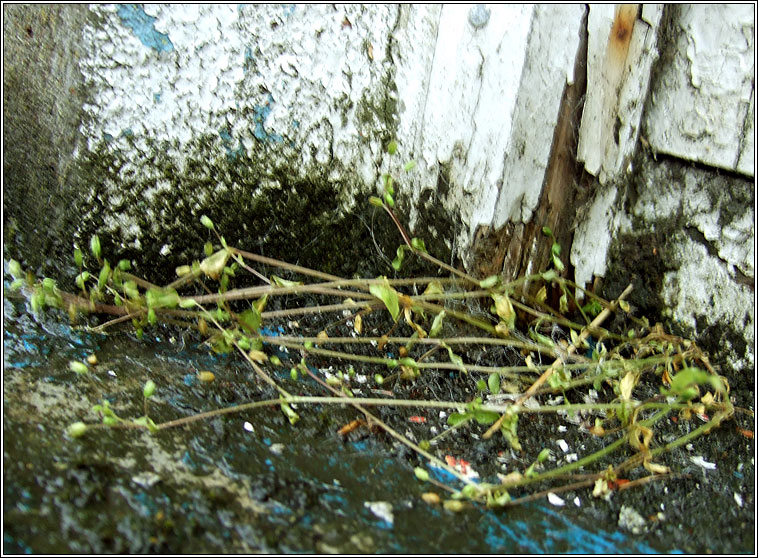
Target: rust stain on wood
x=621 y=32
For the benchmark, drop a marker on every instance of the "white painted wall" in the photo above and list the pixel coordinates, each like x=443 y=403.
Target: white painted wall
x=477 y=89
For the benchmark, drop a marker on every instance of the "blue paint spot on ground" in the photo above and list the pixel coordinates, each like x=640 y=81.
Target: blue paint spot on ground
x=143 y=26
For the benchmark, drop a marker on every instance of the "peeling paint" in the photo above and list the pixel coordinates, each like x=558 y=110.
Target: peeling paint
x=143 y=26
x=703 y=98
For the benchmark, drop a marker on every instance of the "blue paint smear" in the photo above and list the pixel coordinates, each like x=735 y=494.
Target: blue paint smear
x=248 y=61
x=143 y=27
x=232 y=151
x=260 y=113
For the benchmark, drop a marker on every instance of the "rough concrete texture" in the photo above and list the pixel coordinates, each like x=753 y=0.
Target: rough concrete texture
x=703 y=101
x=705 y=221
x=42 y=108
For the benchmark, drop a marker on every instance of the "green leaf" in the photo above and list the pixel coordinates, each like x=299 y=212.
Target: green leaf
x=77 y=430
x=549 y=275
x=389 y=184
x=592 y=308
x=485 y=417
x=504 y=309
x=148 y=423
x=558 y=263
x=683 y=384
x=508 y=429
x=290 y=414
x=15 y=269
x=279 y=282
x=418 y=244
x=373 y=200
x=436 y=328
x=130 y=288
x=149 y=389
x=388 y=199
x=213 y=265
x=206 y=221
x=392 y=147
x=398 y=261
x=421 y=474
x=78 y=259
x=541 y=339
x=104 y=274
x=94 y=245
x=455 y=359
x=208 y=248
x=388 y=295
x=124 y=265
x=547 y=231
x=407 y=361
x=78 y=367
x=493 y=382
x=454 y=419
x=410 y=165
x=489 y=282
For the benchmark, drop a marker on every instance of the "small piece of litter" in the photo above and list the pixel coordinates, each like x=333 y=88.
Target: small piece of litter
x=562 y=428
x=563 y=445
x=738 y=499
x=555 y=500
x=700 y=462
x=631 y=520
x=249 y=427
x=277 y=449
x=146 y=479
x=382 y=510
x=462 y=466
x=577 y=501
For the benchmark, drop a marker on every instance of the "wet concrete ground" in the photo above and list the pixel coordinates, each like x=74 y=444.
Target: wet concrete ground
x=252 y=482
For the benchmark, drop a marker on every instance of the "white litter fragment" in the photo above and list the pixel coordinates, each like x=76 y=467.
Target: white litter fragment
x=738 y=499
x=146 y=479
x=555 y=500
x=700 y=462
x=249 y=427
x=276 y=449
x=631 y=520
x=382 y=510
x=571 y=457
x=563 y=445
x=577 y=501
x=562 y=428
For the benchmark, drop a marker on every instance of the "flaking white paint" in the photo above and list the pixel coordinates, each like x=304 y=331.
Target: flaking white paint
x=703 y=107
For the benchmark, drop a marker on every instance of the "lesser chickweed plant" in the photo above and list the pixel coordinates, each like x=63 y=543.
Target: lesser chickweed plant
x=583 y=359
